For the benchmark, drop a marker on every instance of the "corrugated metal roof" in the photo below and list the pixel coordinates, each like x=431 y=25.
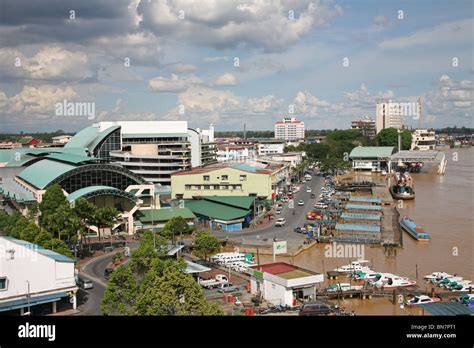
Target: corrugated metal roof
x=89 y=137
x=372 y=151
x=365 y=199
x=215 y=210
x=358 y=227
x=39 y=249
x=448 y=308
x=163 y=214
x=361 y=216
x=10 y=188
x=244 y=202
x=192 y=267
x=41 y=173
x=363 y=207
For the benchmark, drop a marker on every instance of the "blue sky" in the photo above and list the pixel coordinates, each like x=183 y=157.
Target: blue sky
x=187 y=64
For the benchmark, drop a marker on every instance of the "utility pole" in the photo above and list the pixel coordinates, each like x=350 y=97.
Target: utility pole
x=28 y=297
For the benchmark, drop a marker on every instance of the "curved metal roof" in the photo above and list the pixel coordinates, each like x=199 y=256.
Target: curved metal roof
x=94 y=191
x=89 y=137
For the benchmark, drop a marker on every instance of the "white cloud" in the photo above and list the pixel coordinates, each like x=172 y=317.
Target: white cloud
x=226 y=80
x=182 y=68
x=451 y=33
x=228 y=24
x=50 y=63
x=173 y=84
x=37 y=101
x=268 y=103
x=307 y=104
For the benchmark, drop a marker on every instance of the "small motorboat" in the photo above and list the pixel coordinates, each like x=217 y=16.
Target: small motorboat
x=437 y=275
x=422 y=299
x=353 y=267
x=360 y=275
x=337 y=287
x=388 y=280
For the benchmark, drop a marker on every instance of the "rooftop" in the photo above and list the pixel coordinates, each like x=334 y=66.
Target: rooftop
x=361 y=216
x=363 y=207
x=41 y=173
x=215 y=210
x=358 y=227
x=372 y=151
x=163 y=214
x=243 y=202
x=245 y=167
x=284 y=270
x=365 y=199
x=40 y=250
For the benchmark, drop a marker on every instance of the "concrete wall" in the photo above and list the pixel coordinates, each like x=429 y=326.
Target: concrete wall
x=277 y=294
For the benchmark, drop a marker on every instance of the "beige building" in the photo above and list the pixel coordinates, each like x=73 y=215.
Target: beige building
x=239 y=179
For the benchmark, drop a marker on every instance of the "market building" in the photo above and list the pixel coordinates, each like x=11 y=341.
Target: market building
x=373 y=158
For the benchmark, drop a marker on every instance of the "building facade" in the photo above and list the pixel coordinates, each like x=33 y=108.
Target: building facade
x=389 y=115
x=289 y=129
x=366 y=125
x=31 y=275
x=423 y=139
x=270 y=147
x=373 y=158
x=238 y=179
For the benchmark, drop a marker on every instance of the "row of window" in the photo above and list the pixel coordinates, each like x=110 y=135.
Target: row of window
x=212 y=187
x=223 y=178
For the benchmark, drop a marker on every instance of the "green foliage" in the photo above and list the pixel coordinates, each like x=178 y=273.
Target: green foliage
x=174 y=227
x=17 y=226
x=205 y=244
x=389 y=137
x=121 y=293
x=151 y=285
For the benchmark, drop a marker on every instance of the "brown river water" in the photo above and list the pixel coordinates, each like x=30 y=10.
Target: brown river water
x=444 y=208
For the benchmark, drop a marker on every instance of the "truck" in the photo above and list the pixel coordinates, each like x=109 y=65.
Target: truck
x=228 y=287
x=213 y=283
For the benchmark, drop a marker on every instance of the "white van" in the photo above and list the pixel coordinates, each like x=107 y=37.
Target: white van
x=308 y=177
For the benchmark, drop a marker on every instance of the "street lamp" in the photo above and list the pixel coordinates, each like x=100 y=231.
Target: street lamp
x=28 y=298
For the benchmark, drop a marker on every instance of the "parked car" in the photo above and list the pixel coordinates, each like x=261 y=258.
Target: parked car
x=300 y=202
x=84 y=283
x=285 y=199
x=312 y=195
x=280 y=222
x=108 y=272
x=316 y=308
x=289 y=195
x=228 y=287
x=308 y=189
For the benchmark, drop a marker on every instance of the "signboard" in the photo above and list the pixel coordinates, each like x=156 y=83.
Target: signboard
x=279 y=247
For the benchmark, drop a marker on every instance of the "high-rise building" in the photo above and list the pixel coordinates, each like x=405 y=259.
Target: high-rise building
x=289 y=129
x=389 y=115
x=366 y=125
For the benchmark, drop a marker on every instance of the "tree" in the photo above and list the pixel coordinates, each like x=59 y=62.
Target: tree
x=205 y=244
x=175 y=225
x=173 y=292
x=389 y=137
x=52 y=199
x=105 y=217
x=121 y=293
x=151 y=285
x=85 y=211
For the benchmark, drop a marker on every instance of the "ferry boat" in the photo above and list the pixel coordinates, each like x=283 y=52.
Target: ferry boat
x=413 y=230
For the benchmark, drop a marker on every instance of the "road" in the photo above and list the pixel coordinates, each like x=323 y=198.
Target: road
x=298 y=219
x=89 y=300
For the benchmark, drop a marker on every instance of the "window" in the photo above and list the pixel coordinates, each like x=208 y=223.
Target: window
x=224 y=187
x=224 y=178
x=3 y=283
x=187 y=187
x=206 y=187
x=243 y=178
x=206 y=177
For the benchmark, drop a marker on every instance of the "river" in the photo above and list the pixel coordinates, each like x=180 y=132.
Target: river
x=443 y=207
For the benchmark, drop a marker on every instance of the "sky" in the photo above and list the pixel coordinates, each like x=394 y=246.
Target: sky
x=232 y=63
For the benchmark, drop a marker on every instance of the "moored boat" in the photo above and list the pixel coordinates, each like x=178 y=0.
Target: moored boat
x=402 y=192
x=413 y=230
x=422 y=299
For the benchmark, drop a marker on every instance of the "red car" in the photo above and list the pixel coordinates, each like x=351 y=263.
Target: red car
x=289 y=195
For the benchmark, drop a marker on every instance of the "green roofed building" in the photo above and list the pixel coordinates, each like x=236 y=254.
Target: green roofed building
x=372 y=158
x=226 y=213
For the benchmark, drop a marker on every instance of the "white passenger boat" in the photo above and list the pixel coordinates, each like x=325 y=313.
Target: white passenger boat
x=388 y=280
x=421 y=299
x=437 y=275
x=354 y=266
